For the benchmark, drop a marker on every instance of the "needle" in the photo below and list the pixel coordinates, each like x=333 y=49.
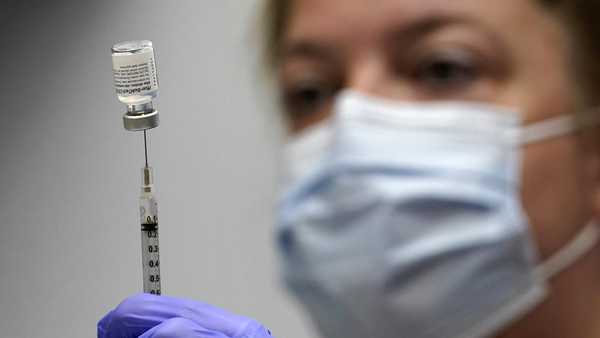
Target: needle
x=145 y=148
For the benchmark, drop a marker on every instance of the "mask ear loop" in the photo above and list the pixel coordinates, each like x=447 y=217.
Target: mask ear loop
x=557 y=126
x=583 y=243
x=587 y=239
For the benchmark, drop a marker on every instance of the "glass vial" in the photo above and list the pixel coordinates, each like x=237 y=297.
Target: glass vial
x=134 y=72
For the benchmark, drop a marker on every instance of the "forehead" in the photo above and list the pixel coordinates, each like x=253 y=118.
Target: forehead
x=368 y=19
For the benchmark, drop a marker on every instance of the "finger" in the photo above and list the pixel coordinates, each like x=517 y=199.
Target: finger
x=103 y=325
x=256 y=330
x=180 y=328
x=129 y=319
x=139 y=313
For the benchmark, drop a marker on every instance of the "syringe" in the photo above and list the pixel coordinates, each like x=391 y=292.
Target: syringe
x=149 y=223
x=136 y=83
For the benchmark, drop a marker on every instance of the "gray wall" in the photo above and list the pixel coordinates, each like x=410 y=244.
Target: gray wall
x=69 y=238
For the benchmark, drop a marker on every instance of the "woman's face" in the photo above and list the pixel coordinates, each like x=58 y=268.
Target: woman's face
x=511 y=52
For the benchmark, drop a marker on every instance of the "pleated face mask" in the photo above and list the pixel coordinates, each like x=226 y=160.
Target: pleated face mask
x=404 y=220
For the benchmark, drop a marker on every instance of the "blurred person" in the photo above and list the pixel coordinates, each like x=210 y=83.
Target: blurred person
x=443 y=173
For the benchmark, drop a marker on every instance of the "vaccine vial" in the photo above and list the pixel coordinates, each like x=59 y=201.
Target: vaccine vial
x=134 y=71
x=136 y=82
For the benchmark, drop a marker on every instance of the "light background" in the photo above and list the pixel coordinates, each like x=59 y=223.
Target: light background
x=70 y=173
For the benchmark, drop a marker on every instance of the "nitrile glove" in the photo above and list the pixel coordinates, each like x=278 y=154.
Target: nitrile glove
x=150 y=316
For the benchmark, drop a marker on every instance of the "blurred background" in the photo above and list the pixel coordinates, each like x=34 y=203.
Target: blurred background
x=70 y=173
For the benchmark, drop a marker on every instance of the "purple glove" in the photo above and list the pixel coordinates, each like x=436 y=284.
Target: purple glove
x=149 y=316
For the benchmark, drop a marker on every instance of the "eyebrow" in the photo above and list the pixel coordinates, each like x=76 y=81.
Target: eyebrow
x=307 y=48
x=427 y=25
x=326 y=50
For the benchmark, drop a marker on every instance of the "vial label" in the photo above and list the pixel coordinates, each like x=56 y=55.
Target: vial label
x=135 y=74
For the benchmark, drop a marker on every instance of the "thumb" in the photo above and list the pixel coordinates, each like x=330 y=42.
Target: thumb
x=180 y=328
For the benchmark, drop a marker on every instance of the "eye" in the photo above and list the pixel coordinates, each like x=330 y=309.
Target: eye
x=447 y=72
x=306 y=97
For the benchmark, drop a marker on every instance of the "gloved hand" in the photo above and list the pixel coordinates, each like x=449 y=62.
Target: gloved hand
x=149 y=316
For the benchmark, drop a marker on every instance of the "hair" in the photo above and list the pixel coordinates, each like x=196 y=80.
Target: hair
x=580 y=17
x=276 y=13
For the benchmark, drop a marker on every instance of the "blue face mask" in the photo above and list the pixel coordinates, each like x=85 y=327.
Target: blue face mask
x=404 y=220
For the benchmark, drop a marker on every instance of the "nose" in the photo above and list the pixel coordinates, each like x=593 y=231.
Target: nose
x=371 y=74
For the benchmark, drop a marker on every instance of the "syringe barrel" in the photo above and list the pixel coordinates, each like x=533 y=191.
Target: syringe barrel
x=149 y=232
